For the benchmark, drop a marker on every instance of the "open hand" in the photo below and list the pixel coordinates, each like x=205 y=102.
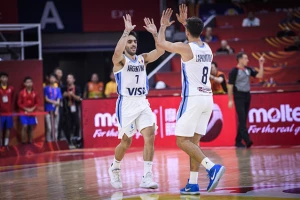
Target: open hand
x=182 y=16
x=165 y=18
x=128 y=24
x=150 y=26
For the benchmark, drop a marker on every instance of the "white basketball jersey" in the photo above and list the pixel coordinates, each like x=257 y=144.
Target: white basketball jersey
x=195 y=73
x=132 y=79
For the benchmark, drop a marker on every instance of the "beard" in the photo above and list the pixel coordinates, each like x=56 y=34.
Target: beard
x=130 y=52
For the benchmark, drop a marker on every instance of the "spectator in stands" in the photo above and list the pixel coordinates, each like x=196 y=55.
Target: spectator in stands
x=239 y=90
x=111 y=86
x=52 y=102
x=208 y=37
x=290 y=18
x=27 y=103
x=94 y=89
x=71 y=100
x=217 y=80
x=295 y=46
x=251 y=20
x=225 y=48
x=59 y=74
x=47 y=81
x=286 y=32
x=6 y=108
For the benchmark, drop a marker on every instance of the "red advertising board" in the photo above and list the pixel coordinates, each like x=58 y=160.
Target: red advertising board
x=274 y=119
x=100 y=123
x=108 y=16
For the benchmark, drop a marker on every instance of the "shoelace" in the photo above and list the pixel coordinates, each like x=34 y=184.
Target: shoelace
x=116 y=173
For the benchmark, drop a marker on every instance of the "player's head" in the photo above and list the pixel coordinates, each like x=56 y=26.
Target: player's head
x=28 y=82
x=3 y=77
x=214 y=68
x=131 y=44
x=242 y=59
x=194 y=27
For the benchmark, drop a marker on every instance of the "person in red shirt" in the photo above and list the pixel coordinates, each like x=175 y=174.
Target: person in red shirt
x=27 y=103
x=6 y=107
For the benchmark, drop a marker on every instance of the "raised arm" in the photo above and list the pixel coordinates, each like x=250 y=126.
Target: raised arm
x=177 y=47
x=118 y=57
x=156 y=53
x=260 y=73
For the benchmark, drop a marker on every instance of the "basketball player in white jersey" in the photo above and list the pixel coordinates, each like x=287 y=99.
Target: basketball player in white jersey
x=132 y=107
x=197 y=101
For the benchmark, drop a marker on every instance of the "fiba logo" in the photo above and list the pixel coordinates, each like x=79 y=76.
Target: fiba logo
x=284 y=114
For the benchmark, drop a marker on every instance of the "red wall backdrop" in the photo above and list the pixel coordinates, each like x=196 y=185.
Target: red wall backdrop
x=274 y=119
x=108 y=16
x=17 y=71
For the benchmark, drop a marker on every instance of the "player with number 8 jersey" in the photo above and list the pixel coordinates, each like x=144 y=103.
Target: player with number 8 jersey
x=197 y=102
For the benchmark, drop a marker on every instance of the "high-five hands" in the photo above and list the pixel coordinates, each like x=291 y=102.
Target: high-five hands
x=182 y=16
x=165 y=18
x=128 y=24
x=150 y=26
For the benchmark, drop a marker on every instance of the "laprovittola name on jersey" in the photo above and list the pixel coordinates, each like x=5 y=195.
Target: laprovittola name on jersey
x=204 y=58
x=134 y=68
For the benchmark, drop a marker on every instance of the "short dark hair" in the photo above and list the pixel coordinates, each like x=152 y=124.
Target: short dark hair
x=3 y=74
x=27 y=78
x=52 y=75
x=213 y=62
x=134 y=34
x=194 y=25
x=240 y=55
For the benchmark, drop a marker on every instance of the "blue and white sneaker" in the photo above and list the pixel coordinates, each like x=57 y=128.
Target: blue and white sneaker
x=214 y=175
x=190 y=189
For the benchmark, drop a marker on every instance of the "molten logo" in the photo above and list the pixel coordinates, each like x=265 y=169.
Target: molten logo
x=284 y=114
x=105 y=119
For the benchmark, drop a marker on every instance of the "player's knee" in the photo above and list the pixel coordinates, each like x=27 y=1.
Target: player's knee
x=179 y=141
x=149 y=139
x=126 y=142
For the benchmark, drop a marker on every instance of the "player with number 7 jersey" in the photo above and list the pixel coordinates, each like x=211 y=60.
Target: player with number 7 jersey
x=132 y=108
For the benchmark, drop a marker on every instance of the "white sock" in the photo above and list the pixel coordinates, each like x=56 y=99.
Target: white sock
x=6 y=141
x=207 y=163
x=193 y=178
x=116 y=164
x=147 y=167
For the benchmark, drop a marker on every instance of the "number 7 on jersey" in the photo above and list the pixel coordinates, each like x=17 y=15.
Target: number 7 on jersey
x=137 y=79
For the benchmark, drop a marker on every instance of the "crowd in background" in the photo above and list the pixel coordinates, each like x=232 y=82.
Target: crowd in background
x=62 y=106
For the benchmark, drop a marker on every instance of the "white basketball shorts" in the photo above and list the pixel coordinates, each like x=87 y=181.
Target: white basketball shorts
x=193 y=115
x=133 y=113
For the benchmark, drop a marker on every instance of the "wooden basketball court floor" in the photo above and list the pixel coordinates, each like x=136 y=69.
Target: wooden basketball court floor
x=257 y=173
